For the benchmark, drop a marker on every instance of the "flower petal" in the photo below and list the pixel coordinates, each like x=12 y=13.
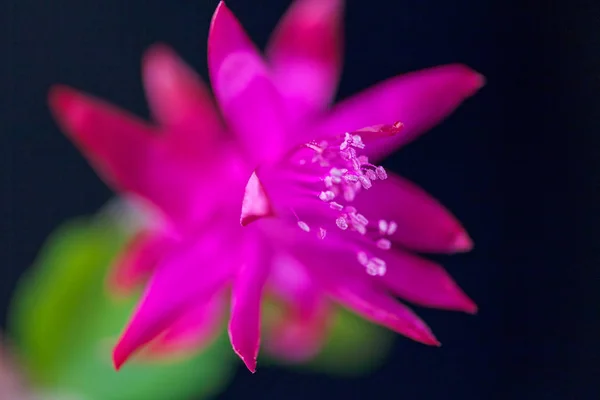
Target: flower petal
x=256 y=203
x=118 y=144
x=299 y=333
x=131 y=157
x=423 y=223
x=305 y=53
x=180 y=102
x=178 y=282
x=334 y=267
x=244 y=323
x=248 y=98
x=137 y=261
x=194 y=330
x=423 y=282
x=420 y=100
x=377 y=306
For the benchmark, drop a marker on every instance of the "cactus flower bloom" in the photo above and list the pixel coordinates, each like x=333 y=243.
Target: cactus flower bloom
x=269 y=190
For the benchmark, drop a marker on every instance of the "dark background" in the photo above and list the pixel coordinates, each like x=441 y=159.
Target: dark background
x=518 y=164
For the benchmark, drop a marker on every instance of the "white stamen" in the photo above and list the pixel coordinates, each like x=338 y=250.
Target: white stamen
x=384 y=244
x=351 y=178
x=365 y=182
x=336 y=206
x=322 y=233
x=327 y=195
x=304 y=226
x=392 y=228
x=342 y=223
x=362 y=258
x=383 y=226
x=361 y=218
x=381 y=173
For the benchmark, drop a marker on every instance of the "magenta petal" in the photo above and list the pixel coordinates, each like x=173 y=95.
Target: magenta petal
x=383 y=309
x=338 y=271
x=244 y=323
x=137 y=261
x=180 y=281
x=423 y=223
x=419 y=100
x=423 y=282
x=306 y=55
x=256 y=203
x=119 y=145
x=194 y=330
x=180 y=101
x=248 y=98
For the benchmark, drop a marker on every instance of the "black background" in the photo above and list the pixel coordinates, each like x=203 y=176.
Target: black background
x=517 y=164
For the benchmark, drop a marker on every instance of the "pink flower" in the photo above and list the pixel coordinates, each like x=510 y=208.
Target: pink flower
x=321 y=221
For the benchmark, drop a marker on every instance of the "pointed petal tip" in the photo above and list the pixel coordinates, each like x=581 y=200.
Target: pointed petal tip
x=470 y=306
x=118 y=357
x=426 y=337
x=250 y=364
x=68 y=106
x=462 y=243
x=222 y=11
x=256 y=204
x=475 y=82
x=60 y=96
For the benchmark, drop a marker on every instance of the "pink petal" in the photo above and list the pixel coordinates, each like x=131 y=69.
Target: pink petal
x=190 y=274
x=423 y=223
x=306 y=55
x=194 y=330
x=376 y=306
x=300 y=332
x=131 y=157
x=137 y=261
x=119 y=145
x=423 y=282
x=248 y=99
x=420 y=100
x=180 y=102
x=256 y=203
x=338 y=271
x=244 y=323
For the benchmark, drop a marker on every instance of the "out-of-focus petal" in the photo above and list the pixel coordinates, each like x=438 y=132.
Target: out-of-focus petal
x=137 y=261
x=420 y=100
x=180 y=102
x=119 y=145
x=305 y=53
x=131 y=157
x=423 y=224
x=244 y=323
x=189 y=275
x=194 y=330
x=300 y=331
x=423 y=282
x=248 y=98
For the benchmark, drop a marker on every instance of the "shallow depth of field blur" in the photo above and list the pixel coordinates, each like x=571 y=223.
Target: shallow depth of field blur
x=516 y=164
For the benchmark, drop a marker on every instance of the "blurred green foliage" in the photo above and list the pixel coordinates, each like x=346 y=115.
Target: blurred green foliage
x=64 y=325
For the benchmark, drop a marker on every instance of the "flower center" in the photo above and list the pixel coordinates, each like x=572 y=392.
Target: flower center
x=347 y=173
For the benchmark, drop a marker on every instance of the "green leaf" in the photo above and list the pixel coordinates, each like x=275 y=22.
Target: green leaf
x=65 y=325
